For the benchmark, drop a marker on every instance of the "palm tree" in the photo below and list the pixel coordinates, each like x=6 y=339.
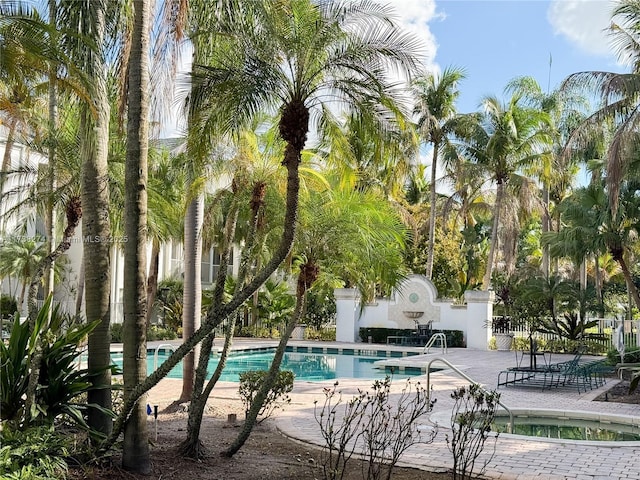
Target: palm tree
x=592 y=227
x=19 y=257
x=435 y=96
x=509 y=137
x=334 y=50
x=135 y=450
x=350 y=235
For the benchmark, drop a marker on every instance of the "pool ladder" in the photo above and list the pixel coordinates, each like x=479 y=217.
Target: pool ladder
x=155 y=355
x=469 y=379
x=436 y=336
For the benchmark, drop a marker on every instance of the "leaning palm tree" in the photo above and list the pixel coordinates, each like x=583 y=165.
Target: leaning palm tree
x=347 y=235
x=435 y=96
x=509 y=137
x=338 y=51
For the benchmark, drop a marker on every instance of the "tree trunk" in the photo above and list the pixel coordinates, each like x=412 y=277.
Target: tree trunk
x=432 y=210
x=96 y=230
x=74 y=213
x=51 y=132
x=546 y=223
x=80 y=292
x=152 y=280
x=307 y=276
x=135 y=450
x=217 y=313
x=192 y=297
x=631 y=287
x=486 y=281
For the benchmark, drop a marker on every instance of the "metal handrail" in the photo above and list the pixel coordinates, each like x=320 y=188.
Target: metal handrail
x=469 y=379
x=437 y=336
x=155 y=355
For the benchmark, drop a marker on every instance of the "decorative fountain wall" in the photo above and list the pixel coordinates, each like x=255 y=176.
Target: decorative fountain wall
x=415 y=303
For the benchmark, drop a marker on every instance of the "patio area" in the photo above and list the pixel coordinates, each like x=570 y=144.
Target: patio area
x=516 y=457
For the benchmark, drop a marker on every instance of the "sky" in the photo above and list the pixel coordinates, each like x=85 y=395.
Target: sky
x=496 y=41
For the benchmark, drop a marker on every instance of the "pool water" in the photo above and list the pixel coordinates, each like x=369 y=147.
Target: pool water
x=569 y=429
x=305 y=366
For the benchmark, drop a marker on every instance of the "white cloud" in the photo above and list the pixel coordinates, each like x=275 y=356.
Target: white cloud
x=583 y=23
x=414 y=16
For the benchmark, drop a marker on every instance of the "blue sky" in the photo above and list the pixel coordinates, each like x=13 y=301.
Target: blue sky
x=498 y=40
x=495 y=41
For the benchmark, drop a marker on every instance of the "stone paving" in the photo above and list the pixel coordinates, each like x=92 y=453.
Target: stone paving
x=516 y=457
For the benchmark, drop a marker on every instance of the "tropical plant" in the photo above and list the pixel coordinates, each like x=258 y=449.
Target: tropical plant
x=60 y=382
x=250 y=382
x=435 y=96
x=508 y=137
x=35 y=453
x=275 y=304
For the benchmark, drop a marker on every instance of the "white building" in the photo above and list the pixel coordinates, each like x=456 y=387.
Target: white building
x=26 y=223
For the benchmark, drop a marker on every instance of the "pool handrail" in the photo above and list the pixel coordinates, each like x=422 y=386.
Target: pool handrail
x=469 y=379
x=443 y=342
x=155 y=355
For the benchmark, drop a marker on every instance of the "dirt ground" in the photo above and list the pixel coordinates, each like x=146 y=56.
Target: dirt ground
x=267 y=455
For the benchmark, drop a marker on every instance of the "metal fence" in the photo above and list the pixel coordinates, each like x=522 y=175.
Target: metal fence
x=605 y=328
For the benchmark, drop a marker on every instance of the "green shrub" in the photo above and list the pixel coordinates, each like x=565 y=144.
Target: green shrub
x=37 y=453
x=320 y=308
x=250 y=382
x=8 y=306
x=155 y=332
x=255 y=332
x=60 y=383
x=325 y=334
x=116 y=333
x=631 y=355
x=455 y=338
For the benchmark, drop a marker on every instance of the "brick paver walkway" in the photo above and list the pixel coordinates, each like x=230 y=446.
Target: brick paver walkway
x=516 y=458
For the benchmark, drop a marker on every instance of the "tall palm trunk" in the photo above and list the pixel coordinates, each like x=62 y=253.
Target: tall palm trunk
x=152 y=279
x=192 y=296
x=52 y=124
x=96 y=229
x=432 y=209
x=6 y=166
x=135 y=451
x=486 y=281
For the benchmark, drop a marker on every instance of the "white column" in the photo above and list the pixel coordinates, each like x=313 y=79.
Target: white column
x=346 y=314
x=479 y=310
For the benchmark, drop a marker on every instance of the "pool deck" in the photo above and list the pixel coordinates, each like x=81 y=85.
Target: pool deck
x=516 y=458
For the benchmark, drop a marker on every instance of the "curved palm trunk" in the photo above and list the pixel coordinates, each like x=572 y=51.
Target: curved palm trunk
x=631 y=287
x=95 y=226
x=192 y=447
x=295 y=138
x=74 y=213
x=432 y=210
x=135 y=451
x=486 y=281
x=308 y=274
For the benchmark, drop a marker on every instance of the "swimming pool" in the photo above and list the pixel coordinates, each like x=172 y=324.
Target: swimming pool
x=309 y=366
x=580 y=426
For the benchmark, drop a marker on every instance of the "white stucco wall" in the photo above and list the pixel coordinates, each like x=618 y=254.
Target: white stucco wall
x=416 y=294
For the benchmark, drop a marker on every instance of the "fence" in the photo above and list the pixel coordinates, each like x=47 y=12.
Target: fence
x=605 y=329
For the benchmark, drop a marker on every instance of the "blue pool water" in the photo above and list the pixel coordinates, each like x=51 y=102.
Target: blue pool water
x=305 y=366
